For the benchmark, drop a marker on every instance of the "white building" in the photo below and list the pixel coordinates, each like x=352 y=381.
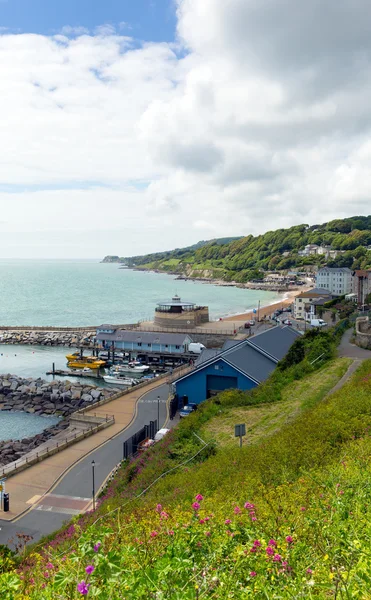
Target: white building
x=337 y=281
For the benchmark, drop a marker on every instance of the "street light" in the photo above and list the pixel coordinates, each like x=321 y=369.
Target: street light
x=158 y=413
x=93 y=473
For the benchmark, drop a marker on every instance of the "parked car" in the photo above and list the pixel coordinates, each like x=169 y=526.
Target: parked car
x=160 y=434
x=247 y=325
x=287 y=322
x=187 y=410
x=252 y=322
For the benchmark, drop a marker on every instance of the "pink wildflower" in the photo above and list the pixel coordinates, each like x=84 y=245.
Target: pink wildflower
x=199 y=497
x=303 y=509
x=253 y=573
x=249 y=505
x=269 y=551
x=277 y=558
x=164 y=515
x=97 y=546
x=309 y=571
x=202 y=521
x=289 y=539
x=159 y=508
x=227 y=521
x=50 y=565
x=171 y=532
x=89 y=569
x=208 y=533
x=272 y=543
x=257 y=544
x=83 y=588
x=195 y=506
x=153 y=534
x=237 y=510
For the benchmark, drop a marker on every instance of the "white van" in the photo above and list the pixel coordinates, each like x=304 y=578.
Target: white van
x=318 y=323
x=195 y=348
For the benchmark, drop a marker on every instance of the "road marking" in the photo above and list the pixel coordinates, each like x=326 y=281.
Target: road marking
x=59 y=509
x=33 y=500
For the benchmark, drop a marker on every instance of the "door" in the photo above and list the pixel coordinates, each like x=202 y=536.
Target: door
x=218 y=383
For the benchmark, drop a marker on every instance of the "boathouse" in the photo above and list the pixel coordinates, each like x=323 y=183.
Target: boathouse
x=240 y=365
x=178 y=314
x=142 y=341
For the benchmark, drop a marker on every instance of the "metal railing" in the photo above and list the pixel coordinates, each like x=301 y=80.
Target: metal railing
x=38 y=456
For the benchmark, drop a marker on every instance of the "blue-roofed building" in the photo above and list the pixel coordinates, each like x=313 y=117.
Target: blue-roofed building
x=240 y=365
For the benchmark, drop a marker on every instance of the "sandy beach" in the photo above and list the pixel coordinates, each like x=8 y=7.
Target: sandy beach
x=267 y=311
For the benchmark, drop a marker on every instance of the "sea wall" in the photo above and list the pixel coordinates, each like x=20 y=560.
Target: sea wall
x=52 y=336
x=40 y=397
x=48 y=337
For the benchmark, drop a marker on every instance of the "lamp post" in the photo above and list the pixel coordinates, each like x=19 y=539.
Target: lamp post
x=93 y=473
x=158 y=413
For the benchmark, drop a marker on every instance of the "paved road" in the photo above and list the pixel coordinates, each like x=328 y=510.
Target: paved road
x=72 y=492
x=351 y=350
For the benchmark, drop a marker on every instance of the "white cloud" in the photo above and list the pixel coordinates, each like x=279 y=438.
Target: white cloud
x=262 y=122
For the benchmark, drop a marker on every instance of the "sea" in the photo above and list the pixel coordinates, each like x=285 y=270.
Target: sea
x=88 y=292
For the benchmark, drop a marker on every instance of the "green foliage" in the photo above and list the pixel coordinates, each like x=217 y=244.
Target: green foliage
x=245 y=259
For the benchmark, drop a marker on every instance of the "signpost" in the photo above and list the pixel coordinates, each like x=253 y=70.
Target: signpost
x=2 y=492
x=240 y=431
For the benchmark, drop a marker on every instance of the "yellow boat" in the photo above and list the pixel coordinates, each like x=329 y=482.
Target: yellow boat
x=75 y=361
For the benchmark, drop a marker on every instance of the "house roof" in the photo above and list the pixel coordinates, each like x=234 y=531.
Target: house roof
x=255 y=357
x=145 y=337
x=107 y=326
x=335 y=270
x=314 y=292
x=249 y=362
x=276 y=342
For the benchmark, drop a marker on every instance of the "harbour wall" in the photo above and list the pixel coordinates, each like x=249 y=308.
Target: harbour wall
x=45 y=398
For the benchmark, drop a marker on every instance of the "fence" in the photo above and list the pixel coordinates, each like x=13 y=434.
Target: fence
x=38 y=456
x=132 y=445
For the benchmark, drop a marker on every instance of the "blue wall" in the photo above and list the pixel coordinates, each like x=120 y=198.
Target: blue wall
x=195 y=386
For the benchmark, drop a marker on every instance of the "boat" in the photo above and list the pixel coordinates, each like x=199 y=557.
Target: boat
x=119 y=380
x=76 y=361
x=131 y=368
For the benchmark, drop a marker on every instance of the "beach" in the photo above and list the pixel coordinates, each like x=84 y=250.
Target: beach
x=267 y=311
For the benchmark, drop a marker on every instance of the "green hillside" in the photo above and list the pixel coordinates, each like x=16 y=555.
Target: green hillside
x=286 y=516
x=245 y=259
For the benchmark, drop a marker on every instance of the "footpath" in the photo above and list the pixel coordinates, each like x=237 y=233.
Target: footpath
x=27 y=488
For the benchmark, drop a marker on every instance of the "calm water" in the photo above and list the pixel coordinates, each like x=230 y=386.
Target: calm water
x=18 y=425
x=35 y=361
x=72 y=293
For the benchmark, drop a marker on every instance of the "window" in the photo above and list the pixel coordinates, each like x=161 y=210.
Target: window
x=166 y=345
x=139 y=343
x=149 y=345
x=177 y=347
x=300 y=300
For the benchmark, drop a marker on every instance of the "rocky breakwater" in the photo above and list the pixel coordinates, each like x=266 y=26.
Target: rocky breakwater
x=44 y=398
x=48 y=338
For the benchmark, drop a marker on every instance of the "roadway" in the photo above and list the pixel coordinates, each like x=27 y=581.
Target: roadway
x=73 y=493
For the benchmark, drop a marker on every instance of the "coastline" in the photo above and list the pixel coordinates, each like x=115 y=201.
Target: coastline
x=268 y=310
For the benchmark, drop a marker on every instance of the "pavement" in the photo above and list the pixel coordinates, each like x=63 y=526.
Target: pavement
x=346 y=348
x=50 y=493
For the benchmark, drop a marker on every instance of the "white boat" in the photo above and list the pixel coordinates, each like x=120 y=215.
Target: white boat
x=130 y=368
x=118 y=380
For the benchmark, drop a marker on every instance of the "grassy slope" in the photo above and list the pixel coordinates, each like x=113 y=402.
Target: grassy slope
x=266 y=419
x=308 y=480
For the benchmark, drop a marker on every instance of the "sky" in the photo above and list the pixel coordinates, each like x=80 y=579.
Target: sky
x=131 y=127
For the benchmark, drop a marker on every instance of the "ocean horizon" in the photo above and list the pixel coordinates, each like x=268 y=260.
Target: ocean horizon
x=80 y=292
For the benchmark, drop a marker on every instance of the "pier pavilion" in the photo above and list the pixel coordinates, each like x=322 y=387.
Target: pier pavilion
x=176 y=313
